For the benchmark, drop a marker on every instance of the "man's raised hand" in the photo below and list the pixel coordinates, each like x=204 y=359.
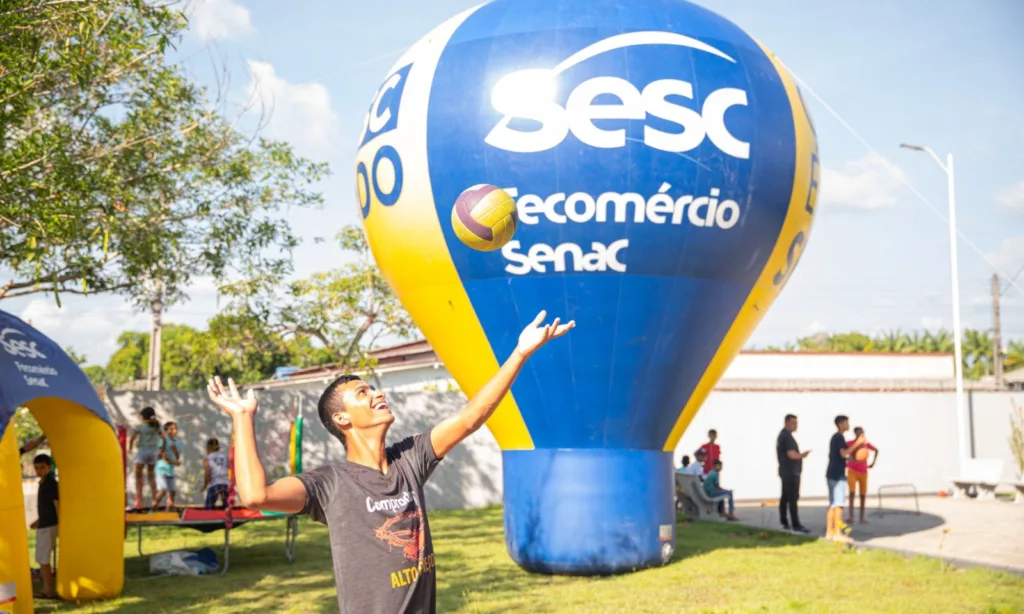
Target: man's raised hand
x=228 y=399
x=535 y=335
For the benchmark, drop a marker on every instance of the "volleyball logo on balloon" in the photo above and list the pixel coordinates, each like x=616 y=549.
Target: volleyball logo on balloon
x=659 y=171
x=484 y=217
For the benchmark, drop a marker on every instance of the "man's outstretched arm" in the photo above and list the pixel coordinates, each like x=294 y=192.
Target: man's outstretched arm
x=287 y=495
x=451 y=431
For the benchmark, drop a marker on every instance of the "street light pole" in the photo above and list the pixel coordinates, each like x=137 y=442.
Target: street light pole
x=958 y=354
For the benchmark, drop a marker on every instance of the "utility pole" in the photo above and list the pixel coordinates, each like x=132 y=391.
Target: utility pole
x=997 y=345
x=157 y=307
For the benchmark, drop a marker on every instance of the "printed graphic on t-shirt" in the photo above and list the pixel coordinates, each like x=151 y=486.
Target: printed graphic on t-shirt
x=405 y=535
x=403 y=531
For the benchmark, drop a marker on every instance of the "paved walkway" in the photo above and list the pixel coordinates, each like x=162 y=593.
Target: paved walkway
x=969 y=532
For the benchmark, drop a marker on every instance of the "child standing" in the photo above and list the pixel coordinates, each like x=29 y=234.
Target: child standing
x=46 y=524
x=147 y=436
x=170 y=457
x=216 y=482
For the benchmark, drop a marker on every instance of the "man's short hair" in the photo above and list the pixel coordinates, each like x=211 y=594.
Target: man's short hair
x=858 y=431
x=717 y=463
x=685 y=459
x=841 y=419
x=790 y=417
x=330 y=403
x=712 y=432
x=169 y=424
x=43 y=459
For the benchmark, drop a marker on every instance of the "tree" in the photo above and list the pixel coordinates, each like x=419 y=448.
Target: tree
x=346 y=309
x=977 y=347
x=229 y=347
x=977 y=353
x=1014 y=356
x=129 y=362
x=116 y=169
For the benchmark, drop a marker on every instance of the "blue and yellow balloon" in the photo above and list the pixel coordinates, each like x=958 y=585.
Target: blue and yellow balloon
x=664 y=171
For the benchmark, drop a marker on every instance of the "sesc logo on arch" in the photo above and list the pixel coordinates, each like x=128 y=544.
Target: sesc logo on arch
x=596 y=109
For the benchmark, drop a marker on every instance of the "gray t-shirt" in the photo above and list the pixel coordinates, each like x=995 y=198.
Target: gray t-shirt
x=380 y=537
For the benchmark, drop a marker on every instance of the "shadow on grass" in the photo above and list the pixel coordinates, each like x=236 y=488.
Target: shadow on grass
x=475 y=573
x=474 y=566
x=890 y=523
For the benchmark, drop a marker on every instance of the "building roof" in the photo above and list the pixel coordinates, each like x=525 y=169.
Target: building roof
x=750 y=366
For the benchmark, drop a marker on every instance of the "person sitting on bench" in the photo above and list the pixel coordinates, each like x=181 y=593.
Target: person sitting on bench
x=714 y=489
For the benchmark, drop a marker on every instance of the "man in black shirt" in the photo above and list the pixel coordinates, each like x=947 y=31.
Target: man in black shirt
x=373 y=503
x=791 y=462
x=46 y=524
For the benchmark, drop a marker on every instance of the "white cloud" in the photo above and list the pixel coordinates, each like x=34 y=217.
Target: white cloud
x=817 y=327
x=866 y=183
x=215 y=19
x=1012 y=197
x=929 y=323
x=299 y=113
x=92 y=332
x=43 y=315
x=1010 y=255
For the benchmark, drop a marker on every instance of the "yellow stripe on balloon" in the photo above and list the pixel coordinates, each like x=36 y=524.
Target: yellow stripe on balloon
x=408 y=244
x=788 y=248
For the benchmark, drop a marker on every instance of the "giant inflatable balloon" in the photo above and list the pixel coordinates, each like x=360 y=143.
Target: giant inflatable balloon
x=664 y=169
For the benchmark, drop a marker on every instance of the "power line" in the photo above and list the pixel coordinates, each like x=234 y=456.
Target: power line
x=898 y=173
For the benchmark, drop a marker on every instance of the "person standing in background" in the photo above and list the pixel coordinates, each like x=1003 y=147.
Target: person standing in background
x=857 y=470
x=790 y=467
x=835 y=475
x=148 y=437
x=215 y=469
x=170 y=457
x=712 y=451
x=46 y=524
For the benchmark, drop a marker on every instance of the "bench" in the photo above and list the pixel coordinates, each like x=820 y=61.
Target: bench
x=685 y=505
x=984 y=474
x=697 y=502
x=1020 y=492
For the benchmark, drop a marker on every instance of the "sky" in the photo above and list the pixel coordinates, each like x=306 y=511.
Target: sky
x=929 y=72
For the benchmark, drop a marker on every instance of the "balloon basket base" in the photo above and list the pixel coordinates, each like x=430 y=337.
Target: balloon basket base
x=588 y=511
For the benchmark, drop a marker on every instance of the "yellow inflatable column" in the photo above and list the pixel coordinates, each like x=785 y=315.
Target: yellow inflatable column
x=14 y=562
x=90 y=538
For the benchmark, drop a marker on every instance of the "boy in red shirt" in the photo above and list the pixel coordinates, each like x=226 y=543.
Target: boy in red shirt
x=711 y=451
x=857 y=470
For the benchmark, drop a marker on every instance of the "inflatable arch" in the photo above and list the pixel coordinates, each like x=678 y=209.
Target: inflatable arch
x=37 y=374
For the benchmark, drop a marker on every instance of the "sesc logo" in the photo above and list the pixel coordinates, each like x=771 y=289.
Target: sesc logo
x=383 y=114
x=383 y=178
x=530 y=94
x=18 y=347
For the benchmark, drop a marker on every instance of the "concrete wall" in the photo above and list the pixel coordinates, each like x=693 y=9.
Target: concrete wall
x=469 y=478
x=991 y=420
x=915 y=432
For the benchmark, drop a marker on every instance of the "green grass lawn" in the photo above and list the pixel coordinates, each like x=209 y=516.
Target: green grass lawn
x=718 y=567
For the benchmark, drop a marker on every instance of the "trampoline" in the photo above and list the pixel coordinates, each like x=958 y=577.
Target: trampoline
x=207 y=521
